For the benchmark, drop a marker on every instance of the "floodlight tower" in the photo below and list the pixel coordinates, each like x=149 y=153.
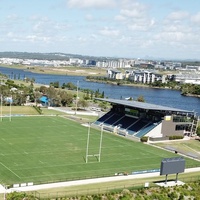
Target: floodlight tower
x=1 y=108
x=77 y=96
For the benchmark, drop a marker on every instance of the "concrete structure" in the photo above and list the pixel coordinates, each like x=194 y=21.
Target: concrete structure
x=137 y=119
x=145 y=76
x=193 y=78
x=114 y=74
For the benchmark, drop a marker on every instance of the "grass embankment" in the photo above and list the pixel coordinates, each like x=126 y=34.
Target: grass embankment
x=187 y=147
x=108 y=187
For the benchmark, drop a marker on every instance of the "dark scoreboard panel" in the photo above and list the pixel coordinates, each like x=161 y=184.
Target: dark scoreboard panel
x=172 y=165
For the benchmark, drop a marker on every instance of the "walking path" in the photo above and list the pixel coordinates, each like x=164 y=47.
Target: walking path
x=87 y=181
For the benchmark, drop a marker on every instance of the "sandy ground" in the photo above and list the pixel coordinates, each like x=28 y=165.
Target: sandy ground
x=90 y=181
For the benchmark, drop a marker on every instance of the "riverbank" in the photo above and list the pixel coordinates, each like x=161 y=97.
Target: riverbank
x=130 y=84
x=124 y=83
x=191 y=95
x=66 y=70
x=89 y=72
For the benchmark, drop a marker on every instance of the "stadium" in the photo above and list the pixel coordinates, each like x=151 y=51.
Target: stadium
x=38 y=149
x=135 y=120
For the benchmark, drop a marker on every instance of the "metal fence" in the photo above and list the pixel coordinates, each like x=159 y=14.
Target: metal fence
x=102 y=190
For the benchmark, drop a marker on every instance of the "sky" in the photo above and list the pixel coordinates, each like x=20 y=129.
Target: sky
x=160 y=29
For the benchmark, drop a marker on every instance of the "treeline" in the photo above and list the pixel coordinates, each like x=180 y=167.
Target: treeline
x=186 y=89
x=66 y=95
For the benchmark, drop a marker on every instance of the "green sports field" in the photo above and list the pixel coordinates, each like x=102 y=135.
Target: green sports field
x=50 y=149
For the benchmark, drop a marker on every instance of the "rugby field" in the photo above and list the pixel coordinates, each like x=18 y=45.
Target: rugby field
x=50 y=149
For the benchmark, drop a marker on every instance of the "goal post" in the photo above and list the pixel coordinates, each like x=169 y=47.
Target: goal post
x=98 y=155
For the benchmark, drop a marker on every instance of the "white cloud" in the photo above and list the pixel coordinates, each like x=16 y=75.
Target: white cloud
x=35 y=38
x=10 y=34
x=12 y=17
x=89 y=17
x=135 y=16
x=170 y=36
x=196 y=18
x=178 y=15
x=109 y=32
x=141 y=25
x=91 y=3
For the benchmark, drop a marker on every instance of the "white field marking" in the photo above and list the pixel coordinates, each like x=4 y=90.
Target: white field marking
x=41 y=162
x=191 y=148
x=26 y=152
x=10 y=170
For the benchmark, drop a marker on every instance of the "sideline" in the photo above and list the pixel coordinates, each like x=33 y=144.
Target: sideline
x=73 y=112
x=86 y=181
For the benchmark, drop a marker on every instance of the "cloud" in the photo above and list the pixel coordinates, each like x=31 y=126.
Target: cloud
x=12 y=17
x=89 y=17
x=178 y=15
x=47 y=27
x=91 y=3
x=109 y=32
x=135 y=16
x=196 y=18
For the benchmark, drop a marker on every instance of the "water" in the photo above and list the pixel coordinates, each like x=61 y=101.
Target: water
x=171 y=98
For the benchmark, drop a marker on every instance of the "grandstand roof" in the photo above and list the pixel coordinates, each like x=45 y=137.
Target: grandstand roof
x=143 y=105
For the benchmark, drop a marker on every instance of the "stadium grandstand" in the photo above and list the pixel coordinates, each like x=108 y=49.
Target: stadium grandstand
x=137 y=119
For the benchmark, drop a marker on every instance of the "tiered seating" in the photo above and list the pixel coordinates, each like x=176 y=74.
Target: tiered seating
x=145 y=130
x=138 y=125
x=125 y=122
x=104 y=118
x=111 y=120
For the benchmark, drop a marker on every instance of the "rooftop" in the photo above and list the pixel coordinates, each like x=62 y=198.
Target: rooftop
x=143 y=105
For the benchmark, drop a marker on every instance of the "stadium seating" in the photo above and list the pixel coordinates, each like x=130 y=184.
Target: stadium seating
x=145 y=130
x=125 y=121
x=125 y=125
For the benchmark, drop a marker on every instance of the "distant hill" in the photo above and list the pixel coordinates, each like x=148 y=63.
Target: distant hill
x=47 y=56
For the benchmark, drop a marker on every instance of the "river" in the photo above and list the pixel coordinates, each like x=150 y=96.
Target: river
x=165 y=97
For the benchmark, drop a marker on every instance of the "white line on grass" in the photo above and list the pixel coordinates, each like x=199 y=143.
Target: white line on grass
x=191 y=148
x=9 y=170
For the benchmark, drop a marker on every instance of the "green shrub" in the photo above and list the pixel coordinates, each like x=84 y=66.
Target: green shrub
x=144 y=139
x=175 y=137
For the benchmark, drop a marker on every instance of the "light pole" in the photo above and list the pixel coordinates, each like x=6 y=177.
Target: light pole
x=77 y=96
x=1 y=103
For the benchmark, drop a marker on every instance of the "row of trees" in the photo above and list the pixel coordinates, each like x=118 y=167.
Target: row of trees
x=57 y=96
x=190 y=89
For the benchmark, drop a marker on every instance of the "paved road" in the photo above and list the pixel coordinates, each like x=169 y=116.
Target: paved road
x=87 y=181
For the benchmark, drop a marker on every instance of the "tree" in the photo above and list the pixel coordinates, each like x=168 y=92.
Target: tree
x=82 y=103
x=43 y=89
x=140 y=99
x=70 y=86
x=87 y=95
x=65 y=98
x=55 y=84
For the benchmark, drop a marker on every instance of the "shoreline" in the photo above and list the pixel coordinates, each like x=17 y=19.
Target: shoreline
x=80 y=71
